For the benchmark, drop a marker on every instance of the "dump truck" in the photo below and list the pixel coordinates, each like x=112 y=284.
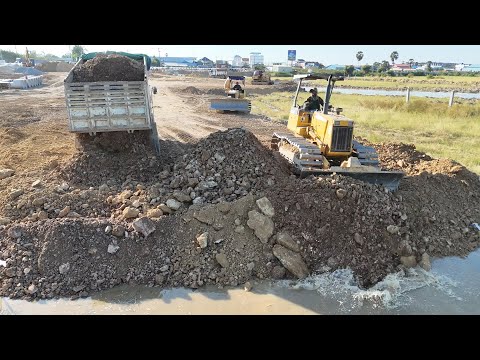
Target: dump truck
x=96 y=107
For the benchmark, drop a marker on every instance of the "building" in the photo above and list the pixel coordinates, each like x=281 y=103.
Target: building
x=282 y=69
x=245 y=61
x=178 y=61
x=256 y=58
x=335 y=67
x=237 y=61
x=205 y=62
x=401 y=67
x=313 y=64
x=471 y=68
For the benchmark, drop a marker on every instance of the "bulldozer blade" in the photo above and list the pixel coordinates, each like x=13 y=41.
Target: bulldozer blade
x=388 y=179
x=231 y=104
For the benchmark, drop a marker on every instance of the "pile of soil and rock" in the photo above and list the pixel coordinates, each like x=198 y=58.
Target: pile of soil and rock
x=192 y=90
x=225 y=212
x=112 y=67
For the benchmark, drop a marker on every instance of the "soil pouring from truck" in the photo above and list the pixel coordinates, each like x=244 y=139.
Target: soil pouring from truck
x=109 y=92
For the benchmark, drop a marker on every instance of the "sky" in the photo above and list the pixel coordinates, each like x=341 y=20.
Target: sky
x=325 y=54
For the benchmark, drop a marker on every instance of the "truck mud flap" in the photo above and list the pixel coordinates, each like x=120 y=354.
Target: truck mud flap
x=231 y=105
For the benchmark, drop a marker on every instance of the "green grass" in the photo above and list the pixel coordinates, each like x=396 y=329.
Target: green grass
x=430 y=124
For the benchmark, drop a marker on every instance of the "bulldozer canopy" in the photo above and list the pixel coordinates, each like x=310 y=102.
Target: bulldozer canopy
x=317 y=77
x=138 y=57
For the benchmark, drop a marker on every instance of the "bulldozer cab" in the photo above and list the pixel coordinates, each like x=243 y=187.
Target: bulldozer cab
x=328 y=92
x=235 y=87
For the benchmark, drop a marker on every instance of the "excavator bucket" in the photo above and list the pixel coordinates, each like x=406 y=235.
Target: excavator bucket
x=231 y=104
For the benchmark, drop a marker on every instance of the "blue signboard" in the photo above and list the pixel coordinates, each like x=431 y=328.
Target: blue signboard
x=292 y=55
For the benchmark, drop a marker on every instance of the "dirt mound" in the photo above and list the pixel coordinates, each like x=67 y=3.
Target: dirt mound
x=114 y=141
x=192 y=90
x=71 y=243
x=9 y=136
x=215 y=92
x=109 y=68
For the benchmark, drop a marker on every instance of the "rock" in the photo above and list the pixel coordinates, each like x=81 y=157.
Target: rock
x=250 y=266
x=222 y=260
x=164 y=268
x=358 y=239
x=159 y=279
x=14 y=232
x=266 y=206
x=154 y=213
x=112 y=248
x=32 y=289
x=291 y=260
x=73 y=214
x=42 y=215
x=224 y=207
x=173 y=204
x=64 y=211
x=103 y=188
x=205 y=215
x=408 y=261
x=4 y=173
x=238 y=222
x=144 y=225
x=108 y=229
x=425 y=262
x=37 y=183
x=4 y=221
x=198 y=200
x=15 y=193
x=392 y=229
x=38 y=201
x=165 y=209
x=118 y=231
x=130 y=212
x=192 y=182
x=202 y=240
x=284 y=239
x=27 y=270
x=331 y=262
x=240 y=229
x=341 y=193
x=78 y=288
x=278 y=272
x=261 y=224
x=404 y=248
x=247 y=286
x=181 y=197
x=64 y=268
x=401 y=163
x=219 y=157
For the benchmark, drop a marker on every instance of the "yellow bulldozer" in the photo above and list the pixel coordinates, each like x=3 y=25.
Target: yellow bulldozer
x=260 y=77
x=321 y=142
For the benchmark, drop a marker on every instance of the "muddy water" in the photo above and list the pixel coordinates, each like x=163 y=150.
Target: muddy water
x=452 y=287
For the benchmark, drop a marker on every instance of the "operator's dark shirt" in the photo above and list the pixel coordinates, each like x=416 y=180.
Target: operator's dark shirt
x=237 y=87
x=313 y=102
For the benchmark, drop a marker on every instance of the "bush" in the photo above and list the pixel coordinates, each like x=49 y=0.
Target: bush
x=430 y=76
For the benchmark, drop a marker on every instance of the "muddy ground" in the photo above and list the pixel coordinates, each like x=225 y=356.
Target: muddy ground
x=216 y=207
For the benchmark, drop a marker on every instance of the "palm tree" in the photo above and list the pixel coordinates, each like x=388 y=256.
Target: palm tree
x=411 y=62
x=393 y=57
x=359 y=56
x=429 y=66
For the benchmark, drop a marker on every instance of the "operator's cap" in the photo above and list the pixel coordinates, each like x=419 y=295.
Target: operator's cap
x=314 y=90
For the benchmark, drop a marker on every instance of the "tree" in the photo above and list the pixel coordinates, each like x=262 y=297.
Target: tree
x=376 y=66
x=429 y=66
x=367 y=69
x=9 y=56
x=349 y=70
x=155 y=62
x=78 y=51
x=411 y=62
x=259 y=67
x=384 y=66
x=393 y=57
x=359 y=56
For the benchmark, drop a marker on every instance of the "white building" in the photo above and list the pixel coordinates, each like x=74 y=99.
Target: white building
x=256 y=58
x=282 y=69
x=237 y=61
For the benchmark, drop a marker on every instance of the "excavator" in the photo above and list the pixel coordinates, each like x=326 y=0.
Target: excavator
x=28 y=62
x=321 y=142
x=260 y=77
x=235 y=100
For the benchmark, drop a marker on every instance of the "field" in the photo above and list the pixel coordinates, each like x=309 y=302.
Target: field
x=430 y=124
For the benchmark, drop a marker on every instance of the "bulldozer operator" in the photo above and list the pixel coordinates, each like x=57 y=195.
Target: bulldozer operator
x=237 y=86
x=314 y=102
